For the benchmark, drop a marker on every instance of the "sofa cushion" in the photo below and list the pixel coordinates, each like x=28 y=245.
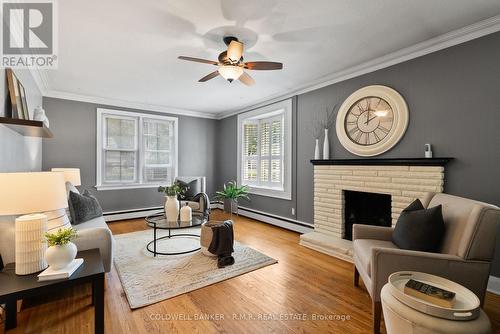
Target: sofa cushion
x=363 y=251
x=83 y=207
x=193 y=187
x=419 y=229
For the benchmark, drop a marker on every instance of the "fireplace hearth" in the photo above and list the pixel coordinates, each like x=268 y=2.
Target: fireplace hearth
x=365 y=208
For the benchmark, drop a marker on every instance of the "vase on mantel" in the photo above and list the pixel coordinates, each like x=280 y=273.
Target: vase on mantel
x=316 y=150
x=326 y=147
x=171 y=208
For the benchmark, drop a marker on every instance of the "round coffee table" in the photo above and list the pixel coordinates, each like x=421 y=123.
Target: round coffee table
x=159 y=222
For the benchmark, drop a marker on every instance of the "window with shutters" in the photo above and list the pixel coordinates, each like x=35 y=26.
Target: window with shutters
x=264 y=150
x=135 y=150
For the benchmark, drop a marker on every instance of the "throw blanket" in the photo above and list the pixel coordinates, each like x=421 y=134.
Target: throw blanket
x=222 y=243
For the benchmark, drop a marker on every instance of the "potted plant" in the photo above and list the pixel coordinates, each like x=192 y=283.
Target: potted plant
x=230 y=195
x=171 y=200
x=61 y=250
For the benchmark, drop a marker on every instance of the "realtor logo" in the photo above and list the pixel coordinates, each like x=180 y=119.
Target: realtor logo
x=29 y=36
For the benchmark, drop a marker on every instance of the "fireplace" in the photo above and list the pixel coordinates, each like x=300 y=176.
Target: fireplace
x=395 y=182
x=365 y=208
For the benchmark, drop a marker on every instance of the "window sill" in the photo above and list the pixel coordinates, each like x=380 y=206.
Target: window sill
x=281 y=194
x=123 y=187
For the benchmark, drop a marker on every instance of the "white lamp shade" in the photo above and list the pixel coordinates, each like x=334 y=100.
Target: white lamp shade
x=23 y=193
x=71 y=175
x=230 y=72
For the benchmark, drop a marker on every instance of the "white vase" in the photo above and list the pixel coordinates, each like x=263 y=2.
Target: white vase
x=58 y=257
x=186 y=213
x=171 y=208
x=316 y=150
x=326 y=147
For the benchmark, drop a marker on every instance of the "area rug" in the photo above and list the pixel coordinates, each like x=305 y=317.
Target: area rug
x=147 y=280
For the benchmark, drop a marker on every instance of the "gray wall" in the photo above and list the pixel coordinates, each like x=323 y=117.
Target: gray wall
x=19 y=153
x=453 y=96
x=74 y=145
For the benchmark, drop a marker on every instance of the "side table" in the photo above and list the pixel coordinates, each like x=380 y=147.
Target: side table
x=14 y=287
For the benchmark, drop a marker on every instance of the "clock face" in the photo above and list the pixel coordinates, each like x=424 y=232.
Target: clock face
x=372 y=120
x=368 y=121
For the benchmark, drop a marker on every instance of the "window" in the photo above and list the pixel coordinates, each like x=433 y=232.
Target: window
x=135 y=150
x=264 y=150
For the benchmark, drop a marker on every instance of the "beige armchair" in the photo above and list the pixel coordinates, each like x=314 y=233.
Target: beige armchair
x=465 y=257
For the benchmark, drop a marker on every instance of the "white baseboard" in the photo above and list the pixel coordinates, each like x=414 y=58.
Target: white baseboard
x=494 y=285
x=286 y=223
x=130 y=214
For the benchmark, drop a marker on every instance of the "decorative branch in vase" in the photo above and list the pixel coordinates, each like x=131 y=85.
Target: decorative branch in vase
x=230 y=195
x=61 y=251
x=321 y=125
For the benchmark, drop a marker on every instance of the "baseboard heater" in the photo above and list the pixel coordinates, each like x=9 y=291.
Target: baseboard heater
x=284 y=222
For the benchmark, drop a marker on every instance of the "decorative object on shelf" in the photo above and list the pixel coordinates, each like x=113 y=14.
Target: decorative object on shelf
x=230 y=195
x=171 y=201
x=186 y=213
x=316 y=150
x=24 y=104
x=15 y=96
x=321 y=125
x=326 y=146
x=61 y=251
x=26 y=194
x=39 y=115
x=372 y=120
x=428 y=151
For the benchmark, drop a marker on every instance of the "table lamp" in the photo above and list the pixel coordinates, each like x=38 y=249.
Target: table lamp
x=26 y=194
x=71 y=175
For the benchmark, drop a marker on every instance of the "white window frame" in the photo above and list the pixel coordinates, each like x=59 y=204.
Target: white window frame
x=275 y=109
x=139 y=177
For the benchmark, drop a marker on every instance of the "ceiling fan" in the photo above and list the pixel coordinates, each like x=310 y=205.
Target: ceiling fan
x=231 y=64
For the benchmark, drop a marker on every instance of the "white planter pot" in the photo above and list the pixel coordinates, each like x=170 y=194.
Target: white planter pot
x=171 y=208
x=59 y=257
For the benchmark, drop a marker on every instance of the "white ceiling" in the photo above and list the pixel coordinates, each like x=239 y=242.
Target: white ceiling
x=125 y=51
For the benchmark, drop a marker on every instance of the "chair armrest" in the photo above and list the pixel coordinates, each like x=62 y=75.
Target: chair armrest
x=371 y=232
x=385 y=261
x=97 y=237
x=204 y=203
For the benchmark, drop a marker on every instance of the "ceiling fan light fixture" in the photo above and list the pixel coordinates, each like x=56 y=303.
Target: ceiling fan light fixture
x=230 y=72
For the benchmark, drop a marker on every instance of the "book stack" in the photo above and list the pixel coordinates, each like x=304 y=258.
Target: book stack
x=430 y=293
x=50 y=274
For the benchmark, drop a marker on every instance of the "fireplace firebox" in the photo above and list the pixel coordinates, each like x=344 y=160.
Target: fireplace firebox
x=365 y=208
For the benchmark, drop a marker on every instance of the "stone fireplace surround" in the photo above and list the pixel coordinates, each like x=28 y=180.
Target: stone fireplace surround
x=403 y=179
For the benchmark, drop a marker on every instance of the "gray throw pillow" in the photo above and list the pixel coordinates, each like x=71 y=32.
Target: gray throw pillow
x=193 y=188
x=419 y=229
x=83 y=207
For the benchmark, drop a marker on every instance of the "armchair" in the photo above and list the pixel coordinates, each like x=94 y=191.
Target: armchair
x=196 y=196
x=465 y=257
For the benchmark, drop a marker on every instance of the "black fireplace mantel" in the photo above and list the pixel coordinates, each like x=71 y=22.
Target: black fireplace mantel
x=385 y=162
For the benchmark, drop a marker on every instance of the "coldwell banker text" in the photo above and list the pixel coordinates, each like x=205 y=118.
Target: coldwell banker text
x=29 y=37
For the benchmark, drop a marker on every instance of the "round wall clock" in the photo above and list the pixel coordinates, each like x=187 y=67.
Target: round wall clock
x=372 y=120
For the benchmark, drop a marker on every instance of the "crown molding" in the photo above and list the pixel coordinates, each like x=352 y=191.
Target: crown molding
x=126 y=104
x=459 y=36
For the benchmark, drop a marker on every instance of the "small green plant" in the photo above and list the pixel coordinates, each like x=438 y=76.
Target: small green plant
x=176 y=189
x=61 y=237
x=232 y=191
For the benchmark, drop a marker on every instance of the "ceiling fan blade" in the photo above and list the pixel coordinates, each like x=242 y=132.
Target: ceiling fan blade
x=209 y=76
x=235 y=51
x=199 y=60
x=246 y=79
x=263 y=65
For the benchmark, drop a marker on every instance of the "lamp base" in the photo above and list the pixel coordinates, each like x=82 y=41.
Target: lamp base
x=30 y=245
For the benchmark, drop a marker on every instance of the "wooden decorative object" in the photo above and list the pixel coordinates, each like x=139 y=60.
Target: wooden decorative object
x=15 y=96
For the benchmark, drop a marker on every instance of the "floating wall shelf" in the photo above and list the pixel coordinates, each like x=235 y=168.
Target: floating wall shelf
x=27 y=128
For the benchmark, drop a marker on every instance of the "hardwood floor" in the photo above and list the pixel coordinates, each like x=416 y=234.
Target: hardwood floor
x=281 y=298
